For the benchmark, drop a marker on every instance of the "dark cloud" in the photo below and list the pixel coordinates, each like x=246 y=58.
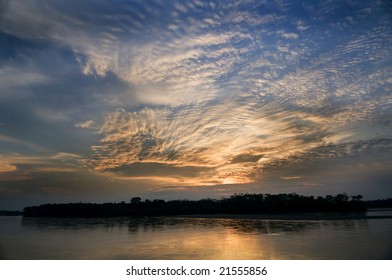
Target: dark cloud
x=158 y=170
x=246 y=158
x=3 y=7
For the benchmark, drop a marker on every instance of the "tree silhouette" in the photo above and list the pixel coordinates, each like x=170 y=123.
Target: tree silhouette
x=235 y=204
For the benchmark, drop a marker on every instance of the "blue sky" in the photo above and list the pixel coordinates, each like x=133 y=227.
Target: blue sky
x=102 y=101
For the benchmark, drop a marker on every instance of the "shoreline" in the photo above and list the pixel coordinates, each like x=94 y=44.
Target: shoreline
x=289 y=217
x=267 y=217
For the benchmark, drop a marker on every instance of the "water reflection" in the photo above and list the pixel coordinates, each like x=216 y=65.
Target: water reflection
x=196 y=238
x=248 y=226
x=53 y=224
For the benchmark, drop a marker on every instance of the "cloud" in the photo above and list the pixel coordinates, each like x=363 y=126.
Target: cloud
x=85 y=124
x=193 y=61
x=64 y=156
x=196 y=93
x=25 y=167
x=246 y=158
x=19 y=142
x=13 y=79
x=291 y=177
x=56 y=191
x=55 y=169
x=181 y=71
x=7 y=168
x=290 y=35
x=229 y=139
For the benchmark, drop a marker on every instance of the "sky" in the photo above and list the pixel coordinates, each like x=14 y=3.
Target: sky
x=101 y=101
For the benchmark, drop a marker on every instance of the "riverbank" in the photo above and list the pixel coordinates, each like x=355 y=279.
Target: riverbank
x=289 y=216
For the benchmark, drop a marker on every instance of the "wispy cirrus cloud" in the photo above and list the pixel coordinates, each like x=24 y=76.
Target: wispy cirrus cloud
x=85 y=124
x=20 y=142
x=5 y=167
x=13 y=79
x=29 y=165
x=237 y=113
x=231 y=141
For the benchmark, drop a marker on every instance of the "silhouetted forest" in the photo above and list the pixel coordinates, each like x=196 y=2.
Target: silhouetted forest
x=379 y=203
x=10 y=213
x=235 y=204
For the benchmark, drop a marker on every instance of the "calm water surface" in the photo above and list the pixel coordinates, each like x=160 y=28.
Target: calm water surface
x=194 y=238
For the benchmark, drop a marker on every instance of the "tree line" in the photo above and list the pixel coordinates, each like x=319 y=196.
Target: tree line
x=235 y=204
x=379 y=203
x=10 y=213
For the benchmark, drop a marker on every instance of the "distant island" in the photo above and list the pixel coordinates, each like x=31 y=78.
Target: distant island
x=10 y=213
x=379 y=203
x=235 y=204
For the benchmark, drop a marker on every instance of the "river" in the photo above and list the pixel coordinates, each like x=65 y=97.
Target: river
x=171 y=238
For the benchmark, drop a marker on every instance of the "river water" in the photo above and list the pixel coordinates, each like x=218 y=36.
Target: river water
x=171 y=238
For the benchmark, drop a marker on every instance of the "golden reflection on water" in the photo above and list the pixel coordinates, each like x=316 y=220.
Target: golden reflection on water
x=194 y=238
x=218 y=244
x=205 y=239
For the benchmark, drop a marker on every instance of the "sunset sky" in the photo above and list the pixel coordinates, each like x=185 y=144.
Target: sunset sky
x=101 y=101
